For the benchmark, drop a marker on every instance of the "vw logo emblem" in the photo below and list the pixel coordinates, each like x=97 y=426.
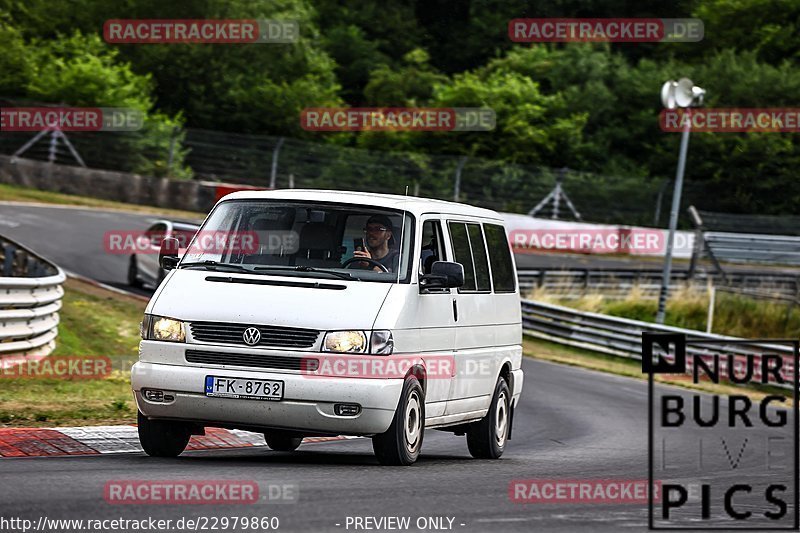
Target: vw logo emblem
x=251 y=336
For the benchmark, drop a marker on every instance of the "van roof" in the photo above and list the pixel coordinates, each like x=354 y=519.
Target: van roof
x=412 y=204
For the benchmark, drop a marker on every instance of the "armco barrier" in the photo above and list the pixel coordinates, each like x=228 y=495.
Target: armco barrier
x=623 y=337
x=617 y=283
x=30 y=298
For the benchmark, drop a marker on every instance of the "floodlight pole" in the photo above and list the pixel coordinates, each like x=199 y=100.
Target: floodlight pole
x=673 y=218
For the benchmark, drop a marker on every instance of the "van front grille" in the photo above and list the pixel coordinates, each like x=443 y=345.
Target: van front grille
x=275 y=362
x=227 y=333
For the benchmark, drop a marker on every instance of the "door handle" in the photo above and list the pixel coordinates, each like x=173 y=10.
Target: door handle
x=455 y=310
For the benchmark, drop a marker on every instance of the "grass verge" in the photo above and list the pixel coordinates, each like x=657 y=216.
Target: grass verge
x=734 y=314
x=15 y=193
x=94 y=322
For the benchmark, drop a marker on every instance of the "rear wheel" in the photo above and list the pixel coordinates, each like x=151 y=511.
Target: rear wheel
x=162 y=438
x=486 y=438
x=133 y=273
x=282 y=441
x=401 y=443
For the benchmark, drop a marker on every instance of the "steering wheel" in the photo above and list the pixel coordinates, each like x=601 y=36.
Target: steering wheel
x=348 y=262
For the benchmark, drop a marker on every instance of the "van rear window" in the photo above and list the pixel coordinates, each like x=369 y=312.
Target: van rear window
x=500 y=258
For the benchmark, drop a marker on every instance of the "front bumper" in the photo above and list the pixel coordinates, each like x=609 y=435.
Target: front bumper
x=307 y=404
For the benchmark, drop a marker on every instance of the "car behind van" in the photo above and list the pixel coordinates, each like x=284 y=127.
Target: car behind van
x=322 y=313
x=143 y=266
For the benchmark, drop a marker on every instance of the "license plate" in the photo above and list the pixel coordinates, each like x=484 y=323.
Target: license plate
x=243 y=388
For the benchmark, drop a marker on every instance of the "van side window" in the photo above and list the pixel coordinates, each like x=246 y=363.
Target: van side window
x=500 y=258
x=463 y=255
x=431 y=246
x=479 y=258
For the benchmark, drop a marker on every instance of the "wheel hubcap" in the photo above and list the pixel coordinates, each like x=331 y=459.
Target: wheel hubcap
x=501 y=419
x=413 y=422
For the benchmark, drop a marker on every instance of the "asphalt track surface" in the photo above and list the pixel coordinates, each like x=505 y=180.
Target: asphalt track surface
x=571 y=424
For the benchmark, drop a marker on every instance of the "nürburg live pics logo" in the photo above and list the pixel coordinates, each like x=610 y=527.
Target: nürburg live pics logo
x=726 y=458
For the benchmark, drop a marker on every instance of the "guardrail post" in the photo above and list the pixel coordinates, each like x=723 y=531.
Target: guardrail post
x=586 y=275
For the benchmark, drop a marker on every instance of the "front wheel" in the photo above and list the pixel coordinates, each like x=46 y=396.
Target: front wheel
x=161 y=438
x=282 y=442
x=401 y=443
x=486 y=438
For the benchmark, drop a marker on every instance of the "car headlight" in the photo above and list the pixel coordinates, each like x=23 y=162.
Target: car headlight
x=345 y=342
x=161 y=328
x=356 y=341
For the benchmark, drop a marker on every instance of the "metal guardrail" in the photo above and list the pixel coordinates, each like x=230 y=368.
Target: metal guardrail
x=30 y=298
x=623 y=337
x=617 y=283
x=754 y=248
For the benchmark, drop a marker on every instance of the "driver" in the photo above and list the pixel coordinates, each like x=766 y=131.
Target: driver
x=379 y=238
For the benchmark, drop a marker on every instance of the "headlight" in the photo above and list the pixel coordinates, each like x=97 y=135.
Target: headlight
x=159 y=328
x=345 y=342
x=381 y=342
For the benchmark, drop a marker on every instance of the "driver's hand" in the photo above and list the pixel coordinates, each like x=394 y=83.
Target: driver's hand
x=362 y=253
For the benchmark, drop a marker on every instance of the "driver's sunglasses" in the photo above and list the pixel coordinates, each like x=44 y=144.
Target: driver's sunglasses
x=375 y=229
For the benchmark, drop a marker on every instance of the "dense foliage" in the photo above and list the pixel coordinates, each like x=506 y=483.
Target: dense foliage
x=589 y=107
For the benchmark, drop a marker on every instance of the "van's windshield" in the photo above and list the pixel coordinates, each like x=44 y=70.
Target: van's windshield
x=310 y=239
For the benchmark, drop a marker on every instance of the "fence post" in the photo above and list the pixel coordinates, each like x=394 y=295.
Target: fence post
x=274 y=173
x=457 y=186
x=659 y=198
x=697 y=249
x=171 y=156
x=8 y=259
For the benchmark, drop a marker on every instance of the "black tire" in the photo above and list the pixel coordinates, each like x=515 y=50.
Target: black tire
x=486 y=438
x=133 y=273
x=282 y=441
x=161 y=438
x=401 y=443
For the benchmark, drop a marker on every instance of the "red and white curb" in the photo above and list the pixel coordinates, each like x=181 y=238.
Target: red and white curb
x=96 y=440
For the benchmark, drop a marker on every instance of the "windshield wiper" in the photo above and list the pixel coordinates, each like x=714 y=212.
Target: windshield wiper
x=215 y=265
x=342 y=275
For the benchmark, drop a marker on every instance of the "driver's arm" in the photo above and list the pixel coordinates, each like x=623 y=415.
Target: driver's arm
x=367 y=255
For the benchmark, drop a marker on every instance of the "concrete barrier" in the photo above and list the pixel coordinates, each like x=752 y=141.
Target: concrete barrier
x=188 y=195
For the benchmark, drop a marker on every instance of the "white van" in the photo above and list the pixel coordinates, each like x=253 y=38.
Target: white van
x=320 y=313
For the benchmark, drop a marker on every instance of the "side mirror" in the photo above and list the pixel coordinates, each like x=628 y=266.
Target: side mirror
x=168 y=254
x=444 y=275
